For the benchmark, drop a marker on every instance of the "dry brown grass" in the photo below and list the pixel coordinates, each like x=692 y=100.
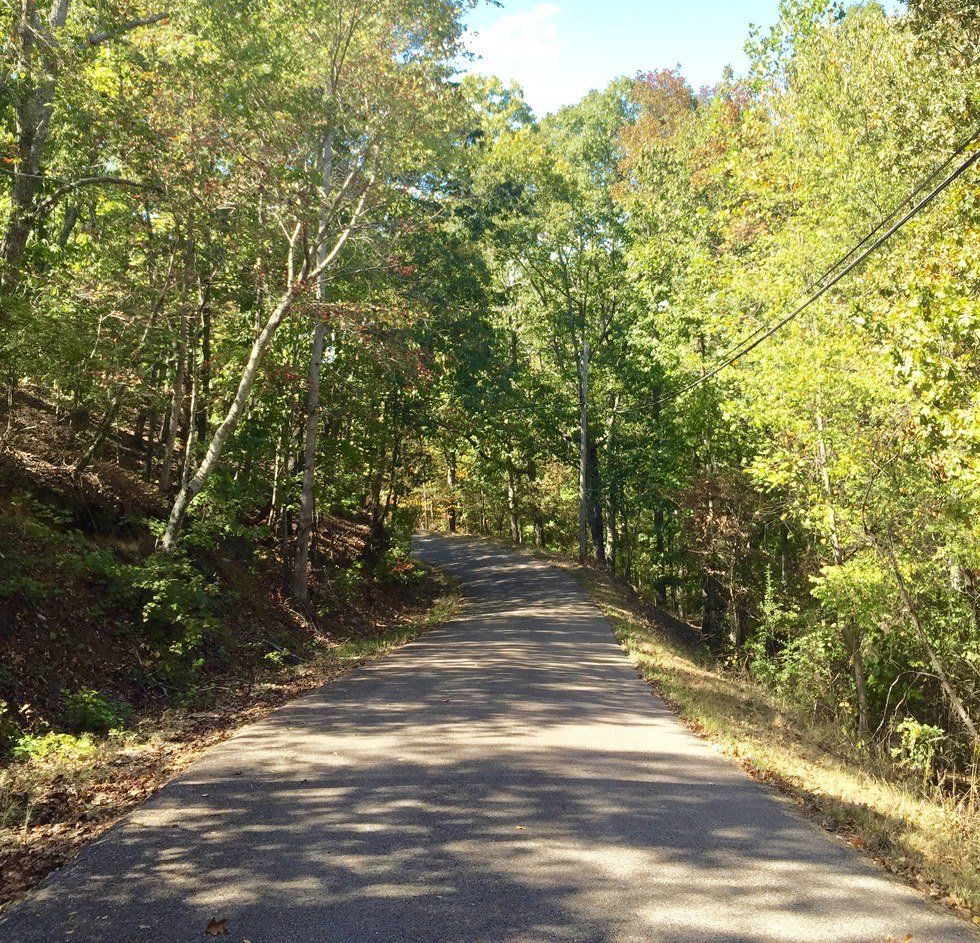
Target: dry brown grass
x=929 y=839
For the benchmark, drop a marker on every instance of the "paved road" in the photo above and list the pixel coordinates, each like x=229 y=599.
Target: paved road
x=506 y=779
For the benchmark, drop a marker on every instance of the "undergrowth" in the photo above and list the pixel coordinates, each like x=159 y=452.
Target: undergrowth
x=59 y=788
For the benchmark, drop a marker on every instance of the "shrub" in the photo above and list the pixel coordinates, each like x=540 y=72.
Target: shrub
x=918 y=744
x=177 y=613
x=62 y=746
x=348 y=582
x=9 y=728
x=90 y=711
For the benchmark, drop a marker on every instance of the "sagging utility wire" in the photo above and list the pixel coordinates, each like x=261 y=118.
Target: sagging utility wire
x=835 y=273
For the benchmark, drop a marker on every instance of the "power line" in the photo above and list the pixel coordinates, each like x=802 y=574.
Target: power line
x=753 y=340
x=922 y=185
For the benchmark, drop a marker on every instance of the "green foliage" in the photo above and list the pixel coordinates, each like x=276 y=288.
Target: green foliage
x=917 y=744
x=222 y=527
x=178 y=613
x=51 y=745
x=89 y=711
x=9 y=728
x=276 y=659
x=857 y=591
x=17 y=581
x=398 y=566
x=348 y=581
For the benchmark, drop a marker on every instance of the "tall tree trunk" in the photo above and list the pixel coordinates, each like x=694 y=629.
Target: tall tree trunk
x=594 y=503
x=307 y=508
x=626 y=547
x=139 y=431
x=204 y=373
x=115 y=404
x=177 y=396
x=394 y=473
x=151 y=429
x=852 y=634
x=537 y=518
x=172 y=424
x=612 y=531
x=660 y=547
x=515 y=530
x=715 y=608
x=190 y=427
x=659 y=515
x=783 y=555
x=39 y=64
x=452 y=510
x=276 y=472
x=583 y=465
x=379 y=538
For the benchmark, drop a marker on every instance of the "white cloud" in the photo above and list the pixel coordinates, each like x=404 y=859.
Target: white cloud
x=519 y=41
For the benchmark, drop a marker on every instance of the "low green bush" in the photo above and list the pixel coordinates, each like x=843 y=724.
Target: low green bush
x=178 y=614
x=91 y=712
x=63 y=746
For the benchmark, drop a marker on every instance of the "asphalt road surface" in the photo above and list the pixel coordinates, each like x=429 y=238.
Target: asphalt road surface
x=506 y=779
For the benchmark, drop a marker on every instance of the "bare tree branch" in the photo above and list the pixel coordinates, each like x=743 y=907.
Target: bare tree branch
x=97 y=39
x=100 y=181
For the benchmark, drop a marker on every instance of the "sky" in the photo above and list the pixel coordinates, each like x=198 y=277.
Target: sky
x=560 y=49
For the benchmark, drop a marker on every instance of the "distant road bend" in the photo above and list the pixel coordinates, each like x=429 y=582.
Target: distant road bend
x=506 y=779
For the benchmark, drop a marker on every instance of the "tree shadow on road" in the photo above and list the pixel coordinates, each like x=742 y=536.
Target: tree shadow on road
x=506 y=778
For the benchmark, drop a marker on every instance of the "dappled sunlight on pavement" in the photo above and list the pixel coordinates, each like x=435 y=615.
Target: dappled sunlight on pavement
x=506 y=778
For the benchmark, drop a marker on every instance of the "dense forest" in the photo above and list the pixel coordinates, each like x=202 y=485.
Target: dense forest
x=284 y=266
